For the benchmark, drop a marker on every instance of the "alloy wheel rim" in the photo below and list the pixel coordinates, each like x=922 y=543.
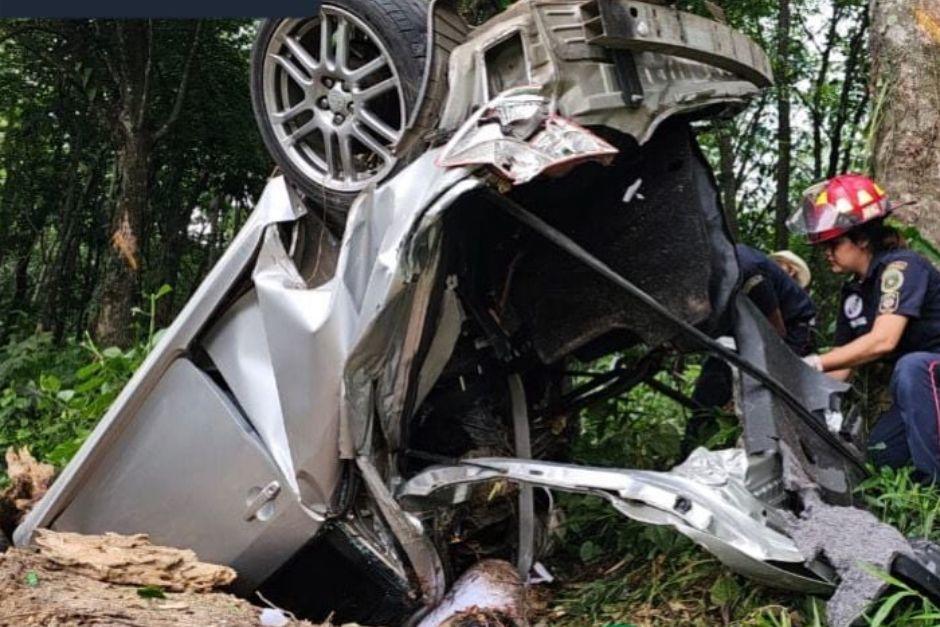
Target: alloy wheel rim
x=334 y=99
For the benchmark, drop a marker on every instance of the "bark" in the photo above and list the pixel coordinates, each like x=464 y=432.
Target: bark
x=132 y=561
x=175 y=239
x=120 y=283
x=130 y=64
x=905 y=42
x=726 y=175
x=782 y=201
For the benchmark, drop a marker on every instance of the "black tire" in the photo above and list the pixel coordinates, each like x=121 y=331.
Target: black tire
x=401 y=27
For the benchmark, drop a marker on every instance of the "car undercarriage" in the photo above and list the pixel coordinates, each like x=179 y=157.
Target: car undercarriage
x=370 y=401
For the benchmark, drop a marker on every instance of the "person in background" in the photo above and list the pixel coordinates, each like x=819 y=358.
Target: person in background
x=890 y=311
x=794 y=266
x=784 y=302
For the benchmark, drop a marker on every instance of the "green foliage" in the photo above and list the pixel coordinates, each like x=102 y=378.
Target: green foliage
x=901 y=606
x=640 y=430
x=151 y=592
x=52 y=396
x=61 y=142
x=904 y=502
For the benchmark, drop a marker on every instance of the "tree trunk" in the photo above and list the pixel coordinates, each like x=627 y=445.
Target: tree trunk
x=856 y=49
x=905 y=42
x=130 y=65
x=782 y=203
x=723 y=130
x=120 y=282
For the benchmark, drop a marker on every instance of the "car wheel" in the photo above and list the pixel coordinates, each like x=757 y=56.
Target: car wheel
x=332 y=93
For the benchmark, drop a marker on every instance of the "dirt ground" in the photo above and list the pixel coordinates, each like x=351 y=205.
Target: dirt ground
x=35 y=591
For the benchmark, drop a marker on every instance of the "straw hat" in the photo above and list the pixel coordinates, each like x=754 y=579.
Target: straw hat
x=789 y=258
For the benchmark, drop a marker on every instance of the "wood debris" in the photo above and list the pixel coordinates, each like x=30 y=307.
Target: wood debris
x=29 y=481
x=35 y=591
x=131 y=560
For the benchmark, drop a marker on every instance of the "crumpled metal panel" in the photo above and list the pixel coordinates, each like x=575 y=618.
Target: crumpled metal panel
x=277 y=349
x=768 y=422
x=239 y=349
x=189 y=473
x=390 y=251
x=719 y=513
x=308 y=332
x=515 y=135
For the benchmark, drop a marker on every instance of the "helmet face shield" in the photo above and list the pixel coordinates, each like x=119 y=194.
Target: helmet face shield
x=832 y=207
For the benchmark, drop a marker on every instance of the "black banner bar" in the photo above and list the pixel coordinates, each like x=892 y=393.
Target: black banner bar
x=157 y=8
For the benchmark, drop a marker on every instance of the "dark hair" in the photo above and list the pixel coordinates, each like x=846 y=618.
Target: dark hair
x=878 y=236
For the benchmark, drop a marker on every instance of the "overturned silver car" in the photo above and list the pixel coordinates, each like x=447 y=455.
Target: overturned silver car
x=331 y=409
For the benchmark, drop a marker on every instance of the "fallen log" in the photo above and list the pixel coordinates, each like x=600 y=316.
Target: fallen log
x=131 y=560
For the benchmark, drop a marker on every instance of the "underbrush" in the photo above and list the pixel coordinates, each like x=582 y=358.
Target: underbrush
x=52 y=396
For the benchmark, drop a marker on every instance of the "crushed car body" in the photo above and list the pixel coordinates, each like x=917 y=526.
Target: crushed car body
x=350 y=395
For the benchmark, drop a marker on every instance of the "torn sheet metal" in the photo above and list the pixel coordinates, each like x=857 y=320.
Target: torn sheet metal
x=720 y=514
x=308 y=332
x=410 y=534
x=490 y=592
x=516 y=134
x=769 y=424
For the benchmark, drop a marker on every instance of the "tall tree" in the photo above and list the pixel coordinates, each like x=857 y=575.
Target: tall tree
x=905 y=42
x=782 y=198
x=127 y=51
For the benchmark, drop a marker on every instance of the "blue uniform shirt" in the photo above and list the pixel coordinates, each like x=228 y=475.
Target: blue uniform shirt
x=898 y=282
x=769 y=286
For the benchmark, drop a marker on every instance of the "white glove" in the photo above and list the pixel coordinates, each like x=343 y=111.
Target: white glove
x=814 y=362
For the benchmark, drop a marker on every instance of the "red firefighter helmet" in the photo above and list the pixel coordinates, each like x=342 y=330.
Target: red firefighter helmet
x=833 y=207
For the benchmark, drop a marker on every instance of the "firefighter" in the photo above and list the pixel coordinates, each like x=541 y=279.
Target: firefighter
x=788 y=308
x=890 y=310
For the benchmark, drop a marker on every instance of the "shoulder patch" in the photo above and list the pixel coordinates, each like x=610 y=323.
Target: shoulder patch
x=889 y=303
x=893 y=277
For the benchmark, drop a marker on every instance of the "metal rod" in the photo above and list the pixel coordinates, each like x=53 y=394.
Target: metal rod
x=520 y=424
x=673 y=394
x=571 y=247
